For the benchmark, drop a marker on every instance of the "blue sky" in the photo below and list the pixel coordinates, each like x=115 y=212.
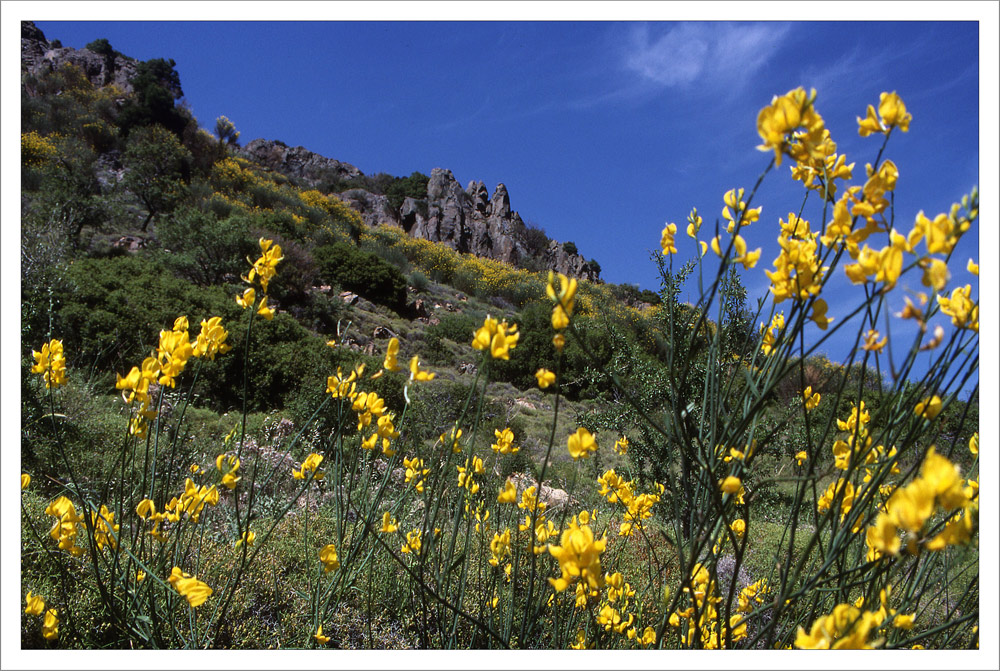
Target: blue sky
x=601 y=131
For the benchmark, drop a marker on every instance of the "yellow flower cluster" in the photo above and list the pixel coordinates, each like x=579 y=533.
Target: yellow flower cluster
x=960 y=307
x=791 y=125
x=637 y=507
x=771 y=333
x=339 y=386
x=841 y=489
x=34 y=604
x=264 y=269
x=564 y=299
x=667 y=239
x=785 y=115
x=309 y=469
x=473 y=466
x=415 y=472
x=167 y=363
x=413 y=542
x=335 y=207
x=36 y=150
x=451 y=439
x=417 y=373
x=500 y=547
x=248 y=187
x=391 y=363
x=328 y=556
x=195 y=591
x=497 y=338
x=543 y=529
x=811 y=399
x=857 y=442
x=846 y=628
x=892 y=112
x=508 y=494
x=929 y=408
x=743 y=216
x=546 y=378
x=909 y=508
x=389 y=523
x=370 y=408
x=50 y=363
x=505 y=442
x=191 y=502
x=579 y=555
x=797 y=273
x=581 y=444
x=702 y=615
x=103 y=524
x=65 y=528
x=748 y=259
x=211 y=340
x=229 y=466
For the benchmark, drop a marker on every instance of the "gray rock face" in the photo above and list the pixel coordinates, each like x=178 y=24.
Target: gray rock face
x=38 y=57
x=374 y=208
x=470 y=220
x=298 y=162
x=572 y=265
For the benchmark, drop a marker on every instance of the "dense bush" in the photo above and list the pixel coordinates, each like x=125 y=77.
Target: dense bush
x=363 y=273
x=112 y=310
x=156 y=85
x=414 y=186
x=221 y=250
x=157 y=170
x=457 y=327
x=580 y=373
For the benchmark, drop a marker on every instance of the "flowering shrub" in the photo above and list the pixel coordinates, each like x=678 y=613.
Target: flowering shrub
x=877 y=532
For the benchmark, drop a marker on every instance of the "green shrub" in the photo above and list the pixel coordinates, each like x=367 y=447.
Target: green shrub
x=204 y=248
x=457 y=327
x=414 y=186
x=112 y=310
x=580 y=378
x=156 y=86
x=363 y=273
x=157 y=169
x=418 y=280
x=285 y=360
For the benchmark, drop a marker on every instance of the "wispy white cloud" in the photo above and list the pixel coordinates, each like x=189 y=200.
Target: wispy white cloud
x=713 y=55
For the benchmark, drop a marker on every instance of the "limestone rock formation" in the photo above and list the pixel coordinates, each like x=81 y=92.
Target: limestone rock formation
x=470 y=220
x=38 y=56
x=573 y=265
x=298 y=162
x=374 y=207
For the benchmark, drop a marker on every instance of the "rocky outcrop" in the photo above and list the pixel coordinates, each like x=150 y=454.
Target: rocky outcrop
x=470 y=220
x=374 y=208
x=572 y=265
x=38 y=56
x=298 y=162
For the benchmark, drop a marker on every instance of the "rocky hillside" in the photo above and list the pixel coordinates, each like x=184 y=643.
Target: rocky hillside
x=469 y=220
x=38 y=55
